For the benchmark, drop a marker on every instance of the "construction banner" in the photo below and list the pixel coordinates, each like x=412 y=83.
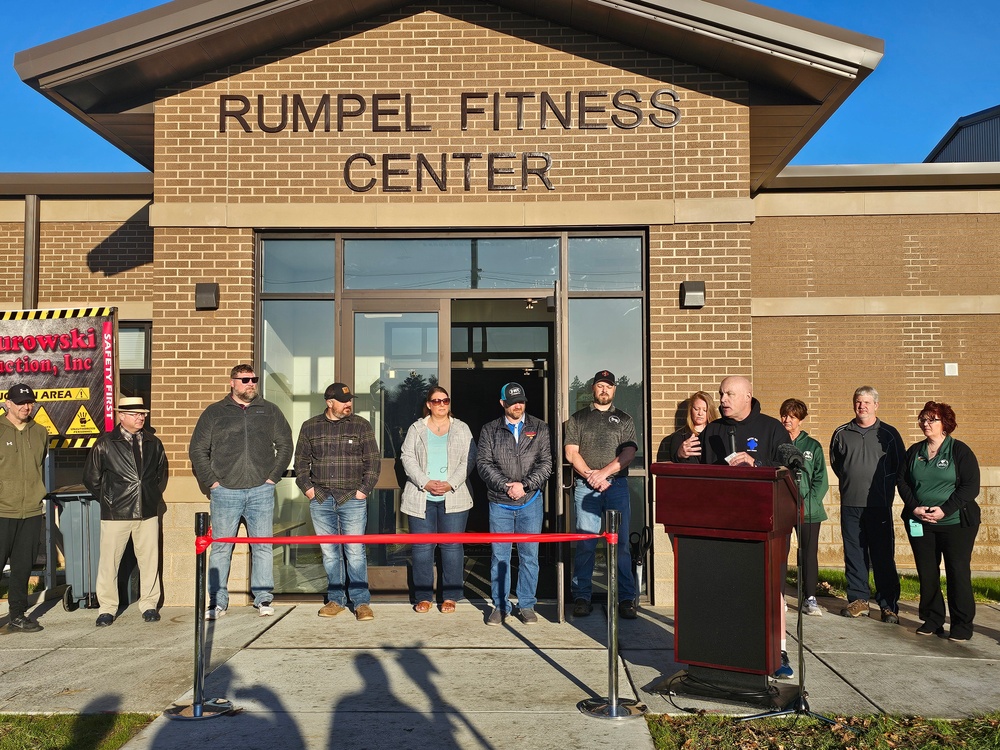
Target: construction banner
x=68 y=358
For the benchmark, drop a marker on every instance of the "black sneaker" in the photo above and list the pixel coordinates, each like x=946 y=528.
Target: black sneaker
x=582 y=608
x=150 y=615
x=104 y=620
x=627 y=610
x=929 y=629
x=23 y=624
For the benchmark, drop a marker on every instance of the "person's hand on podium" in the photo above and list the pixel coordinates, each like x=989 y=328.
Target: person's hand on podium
x=741 y=459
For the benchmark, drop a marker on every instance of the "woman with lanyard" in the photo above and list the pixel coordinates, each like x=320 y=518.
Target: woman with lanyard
x=939 y=481
x=438 y=454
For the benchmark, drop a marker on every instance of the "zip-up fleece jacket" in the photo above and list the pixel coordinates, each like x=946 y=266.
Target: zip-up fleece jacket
x=501 y=460
x=866 y=462
x=22 y=484
x=240 y=448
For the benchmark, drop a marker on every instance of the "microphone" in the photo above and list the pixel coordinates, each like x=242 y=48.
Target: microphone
x=732 y=440
x=791 y=456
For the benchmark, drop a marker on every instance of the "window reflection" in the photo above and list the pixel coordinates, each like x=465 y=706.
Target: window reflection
x=298 y=266
x=605 y=264
x=607 y=334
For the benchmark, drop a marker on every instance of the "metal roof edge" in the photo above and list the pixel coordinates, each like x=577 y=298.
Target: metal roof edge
x=885 y=176
x=77 y=184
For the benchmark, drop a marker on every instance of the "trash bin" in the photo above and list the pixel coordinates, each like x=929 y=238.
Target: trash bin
x=80 y=524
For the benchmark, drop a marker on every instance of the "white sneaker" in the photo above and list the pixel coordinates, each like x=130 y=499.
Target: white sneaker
x=265 y=610
x=811 y=607
x=214 y=613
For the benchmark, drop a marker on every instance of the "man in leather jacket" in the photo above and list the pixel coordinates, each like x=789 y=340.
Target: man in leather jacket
x=125 y=472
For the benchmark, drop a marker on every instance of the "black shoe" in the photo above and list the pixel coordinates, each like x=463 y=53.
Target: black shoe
x=23 y=624
x=959 y=637
x=928 y=629
x=150 y=615
x=626 y=609
x=582 y=608
x=104 y=620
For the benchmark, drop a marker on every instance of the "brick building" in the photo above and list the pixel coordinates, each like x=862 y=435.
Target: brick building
x=392 y=193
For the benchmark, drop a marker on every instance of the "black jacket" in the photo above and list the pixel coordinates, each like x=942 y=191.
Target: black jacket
x=111 y=476
x=963 y=499
x=501 y=460
x=758 y=434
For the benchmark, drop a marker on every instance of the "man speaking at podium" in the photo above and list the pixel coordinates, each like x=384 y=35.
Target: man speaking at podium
x=742 y=436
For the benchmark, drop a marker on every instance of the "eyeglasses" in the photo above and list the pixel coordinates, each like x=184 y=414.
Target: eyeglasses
x=928 y=420
x=136 y=414
x=254 y=379
x=437 y=401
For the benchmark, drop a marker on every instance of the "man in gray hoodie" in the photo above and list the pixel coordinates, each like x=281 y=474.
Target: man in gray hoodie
x=239 y=449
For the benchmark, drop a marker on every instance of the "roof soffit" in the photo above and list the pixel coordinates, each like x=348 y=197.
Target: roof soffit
x=809 y=67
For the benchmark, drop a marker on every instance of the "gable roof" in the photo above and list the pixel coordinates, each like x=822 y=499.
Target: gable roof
x=799 y=70
x=972 y=138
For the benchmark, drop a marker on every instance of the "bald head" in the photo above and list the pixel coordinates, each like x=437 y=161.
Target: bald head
x=735 y=397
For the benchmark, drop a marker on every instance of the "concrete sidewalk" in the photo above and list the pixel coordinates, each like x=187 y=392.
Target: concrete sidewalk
x=406 y=680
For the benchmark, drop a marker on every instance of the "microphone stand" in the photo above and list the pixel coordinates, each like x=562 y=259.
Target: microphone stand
x=798 y=705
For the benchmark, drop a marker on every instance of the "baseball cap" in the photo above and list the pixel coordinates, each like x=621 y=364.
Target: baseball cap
x=338 y=392
x=603 y=376
x=21 y=394
x=513 y=393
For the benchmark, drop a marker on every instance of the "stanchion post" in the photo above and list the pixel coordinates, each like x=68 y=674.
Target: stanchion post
x=199 y=709
x=612 y=707
x=201 y=523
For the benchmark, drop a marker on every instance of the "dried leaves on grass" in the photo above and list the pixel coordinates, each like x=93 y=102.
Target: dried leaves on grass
x=798 y=732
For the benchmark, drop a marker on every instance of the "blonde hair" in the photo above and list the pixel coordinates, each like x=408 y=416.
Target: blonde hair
x=713 y=413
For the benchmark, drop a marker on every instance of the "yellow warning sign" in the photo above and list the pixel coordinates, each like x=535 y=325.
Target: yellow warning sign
x=43 y=418
x=63 y=394
x=82 y=424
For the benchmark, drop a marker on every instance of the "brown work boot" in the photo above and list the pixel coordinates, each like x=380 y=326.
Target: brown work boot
x=857 y=608
x=363 y=612
x=330 y=609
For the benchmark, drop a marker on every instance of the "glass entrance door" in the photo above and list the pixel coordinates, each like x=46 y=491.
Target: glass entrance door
x=392 y=353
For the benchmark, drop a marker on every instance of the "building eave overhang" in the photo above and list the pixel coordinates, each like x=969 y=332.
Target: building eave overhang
x=848 y=177
x=77 y=184
x=799 y=70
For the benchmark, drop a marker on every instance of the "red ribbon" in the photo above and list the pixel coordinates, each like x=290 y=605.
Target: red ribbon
x=202 y=543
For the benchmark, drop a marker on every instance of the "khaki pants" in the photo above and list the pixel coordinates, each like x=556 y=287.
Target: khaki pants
x=145 y=537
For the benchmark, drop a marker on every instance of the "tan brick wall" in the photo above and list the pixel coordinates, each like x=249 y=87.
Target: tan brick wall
x=436 y=55
x=693 y=350
x=12 y=259
x=81 y=263
x=193 y=352
x=848 y=256
x=822 y=359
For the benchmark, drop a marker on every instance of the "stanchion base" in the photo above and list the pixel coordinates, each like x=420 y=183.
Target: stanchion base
x=209 y=710
x=601 y=708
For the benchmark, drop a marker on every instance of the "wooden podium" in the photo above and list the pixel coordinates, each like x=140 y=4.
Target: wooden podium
x=729 y=528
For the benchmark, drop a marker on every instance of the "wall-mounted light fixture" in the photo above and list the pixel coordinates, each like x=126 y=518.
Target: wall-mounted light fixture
x=206 y=296
x=692 y=295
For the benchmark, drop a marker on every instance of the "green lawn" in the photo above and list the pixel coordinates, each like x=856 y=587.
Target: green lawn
x=833 y=583
x=70 y=731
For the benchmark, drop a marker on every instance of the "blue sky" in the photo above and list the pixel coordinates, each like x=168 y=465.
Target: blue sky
x=940 y=63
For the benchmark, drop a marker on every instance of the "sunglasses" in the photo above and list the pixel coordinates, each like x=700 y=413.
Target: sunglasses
x=444 y=401
x=254 y=379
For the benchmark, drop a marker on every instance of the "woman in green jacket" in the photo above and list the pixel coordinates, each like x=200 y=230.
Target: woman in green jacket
x=813 y=484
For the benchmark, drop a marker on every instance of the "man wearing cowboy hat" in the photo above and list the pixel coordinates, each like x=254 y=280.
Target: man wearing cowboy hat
x=125 y=471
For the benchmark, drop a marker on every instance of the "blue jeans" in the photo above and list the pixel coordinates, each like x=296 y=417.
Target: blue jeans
x=437 y=521
x=227 y=507
x=526 y=520
x=349 y=518
x=590 y=506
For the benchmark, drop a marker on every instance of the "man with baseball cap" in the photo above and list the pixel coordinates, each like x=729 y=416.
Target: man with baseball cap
x=337 y=464
x=600 y=443
x=23 y=446
x=515 y=461
x=125 y=471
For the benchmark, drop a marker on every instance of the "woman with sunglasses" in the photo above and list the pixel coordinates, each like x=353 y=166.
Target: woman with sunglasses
x=438 y=454
x=939 y=483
